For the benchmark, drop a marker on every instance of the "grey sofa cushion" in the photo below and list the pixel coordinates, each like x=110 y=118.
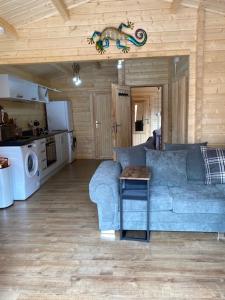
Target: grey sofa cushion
x=198 y=199
x=195 y=163
x=133 y=156
x=167 y=167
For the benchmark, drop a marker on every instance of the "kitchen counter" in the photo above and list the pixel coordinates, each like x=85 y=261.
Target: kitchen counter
x=29 y=139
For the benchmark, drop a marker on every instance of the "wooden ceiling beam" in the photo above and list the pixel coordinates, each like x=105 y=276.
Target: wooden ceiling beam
x=62 y=9
x=9 y=28
x=175 y=4
x=217 y=7
x=81 y=2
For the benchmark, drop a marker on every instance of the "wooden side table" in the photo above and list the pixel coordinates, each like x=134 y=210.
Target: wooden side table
x=139 y=194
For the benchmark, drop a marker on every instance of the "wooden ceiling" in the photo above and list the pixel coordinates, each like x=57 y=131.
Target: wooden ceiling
x=16 y=13
x=215 y=6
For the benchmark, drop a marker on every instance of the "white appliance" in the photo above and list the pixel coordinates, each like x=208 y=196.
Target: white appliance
x=6 y=192
x=24 y=169
x=71 y=146
x=42 y=157
x=60 y=117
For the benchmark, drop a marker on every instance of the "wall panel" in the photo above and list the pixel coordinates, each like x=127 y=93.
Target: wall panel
x=213 y=111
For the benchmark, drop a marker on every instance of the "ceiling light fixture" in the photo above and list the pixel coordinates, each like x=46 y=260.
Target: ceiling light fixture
x=120 y=64
x=76 y=74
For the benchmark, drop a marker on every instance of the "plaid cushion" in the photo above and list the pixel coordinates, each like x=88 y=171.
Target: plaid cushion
x=214 y=160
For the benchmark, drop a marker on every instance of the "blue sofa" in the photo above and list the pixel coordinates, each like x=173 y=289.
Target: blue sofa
x=179 y=198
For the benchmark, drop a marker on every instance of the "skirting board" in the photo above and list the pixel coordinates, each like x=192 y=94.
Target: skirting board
x=108 y=234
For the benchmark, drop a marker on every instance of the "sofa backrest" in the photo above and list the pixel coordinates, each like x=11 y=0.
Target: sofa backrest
x=167 y=167
x=195 y=163
x=133 y=156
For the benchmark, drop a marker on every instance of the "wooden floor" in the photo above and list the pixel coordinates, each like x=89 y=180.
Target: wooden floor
x=50 y=249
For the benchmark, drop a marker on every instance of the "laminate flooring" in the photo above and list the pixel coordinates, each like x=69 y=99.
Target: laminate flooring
x=50 y=249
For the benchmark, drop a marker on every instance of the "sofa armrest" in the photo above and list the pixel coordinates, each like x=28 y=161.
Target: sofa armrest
x=104 y=191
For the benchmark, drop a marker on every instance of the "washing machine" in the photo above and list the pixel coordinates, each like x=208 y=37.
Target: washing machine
x=25 y=169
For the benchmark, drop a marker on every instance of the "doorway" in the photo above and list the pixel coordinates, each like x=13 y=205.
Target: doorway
x=146 y=113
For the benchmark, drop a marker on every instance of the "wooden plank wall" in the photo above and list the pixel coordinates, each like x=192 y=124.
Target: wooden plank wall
x=146 y=72
x=52 y=39
x=96 y=77
x=24 y=112
x=213 y=102
x=178 y=98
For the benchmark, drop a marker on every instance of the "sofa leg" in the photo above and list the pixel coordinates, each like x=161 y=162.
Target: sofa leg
x=221 y=236
x=108 y=234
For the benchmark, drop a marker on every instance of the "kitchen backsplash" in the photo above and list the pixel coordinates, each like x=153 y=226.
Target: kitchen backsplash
x=25 y=112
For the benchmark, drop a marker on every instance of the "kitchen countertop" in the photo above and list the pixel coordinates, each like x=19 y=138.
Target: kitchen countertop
x=29 y=139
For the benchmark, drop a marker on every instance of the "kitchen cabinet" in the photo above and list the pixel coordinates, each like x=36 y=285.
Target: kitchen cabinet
x=43 y=94
x=15 y=88
x=31 y=91
x=62 y=148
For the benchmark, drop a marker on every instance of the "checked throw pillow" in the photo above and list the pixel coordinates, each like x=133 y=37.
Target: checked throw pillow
x=214 y=160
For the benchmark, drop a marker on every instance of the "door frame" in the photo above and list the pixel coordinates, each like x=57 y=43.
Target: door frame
x=162 y=86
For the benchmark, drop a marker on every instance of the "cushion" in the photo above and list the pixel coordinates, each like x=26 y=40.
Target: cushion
x=214 y=160
x=195 y=163
x=133 y=156
x=198 y=199
x=167 y=167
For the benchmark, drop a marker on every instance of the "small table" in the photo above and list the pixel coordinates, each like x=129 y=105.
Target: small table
x=130 y=174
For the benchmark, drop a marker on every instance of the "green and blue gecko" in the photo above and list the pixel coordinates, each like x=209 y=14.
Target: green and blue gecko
x=116 y=34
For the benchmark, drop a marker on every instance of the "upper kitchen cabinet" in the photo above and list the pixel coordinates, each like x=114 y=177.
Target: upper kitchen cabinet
x=43 y=94
x=17 y=89
x=14 y=88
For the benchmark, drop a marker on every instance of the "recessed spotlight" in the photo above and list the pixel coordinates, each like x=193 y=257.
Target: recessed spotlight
x=2 y=30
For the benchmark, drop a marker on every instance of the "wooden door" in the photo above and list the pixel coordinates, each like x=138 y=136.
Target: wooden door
x=121 y=116
x=102 y=124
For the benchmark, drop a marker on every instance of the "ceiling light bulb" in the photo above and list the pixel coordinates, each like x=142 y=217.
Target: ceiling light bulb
x=78 y=81
x=75 y=78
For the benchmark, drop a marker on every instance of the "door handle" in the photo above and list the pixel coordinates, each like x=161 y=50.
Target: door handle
x=115 y=127
x=97 y=123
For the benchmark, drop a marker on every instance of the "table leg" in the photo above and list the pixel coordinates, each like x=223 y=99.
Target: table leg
x=148 y=210
x=121 y=209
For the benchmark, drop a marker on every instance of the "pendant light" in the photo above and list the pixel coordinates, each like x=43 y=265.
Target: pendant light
x=76 y=74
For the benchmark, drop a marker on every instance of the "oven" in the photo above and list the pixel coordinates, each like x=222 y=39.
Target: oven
x=51 y=150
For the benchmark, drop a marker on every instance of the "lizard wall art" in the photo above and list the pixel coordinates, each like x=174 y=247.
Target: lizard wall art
x=102 y=39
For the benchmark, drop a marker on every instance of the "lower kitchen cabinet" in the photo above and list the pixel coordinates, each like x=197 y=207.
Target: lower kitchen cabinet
x=62 y=156
x=61 y=148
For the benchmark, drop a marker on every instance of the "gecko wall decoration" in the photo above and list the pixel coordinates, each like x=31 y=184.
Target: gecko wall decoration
x=102 y=39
